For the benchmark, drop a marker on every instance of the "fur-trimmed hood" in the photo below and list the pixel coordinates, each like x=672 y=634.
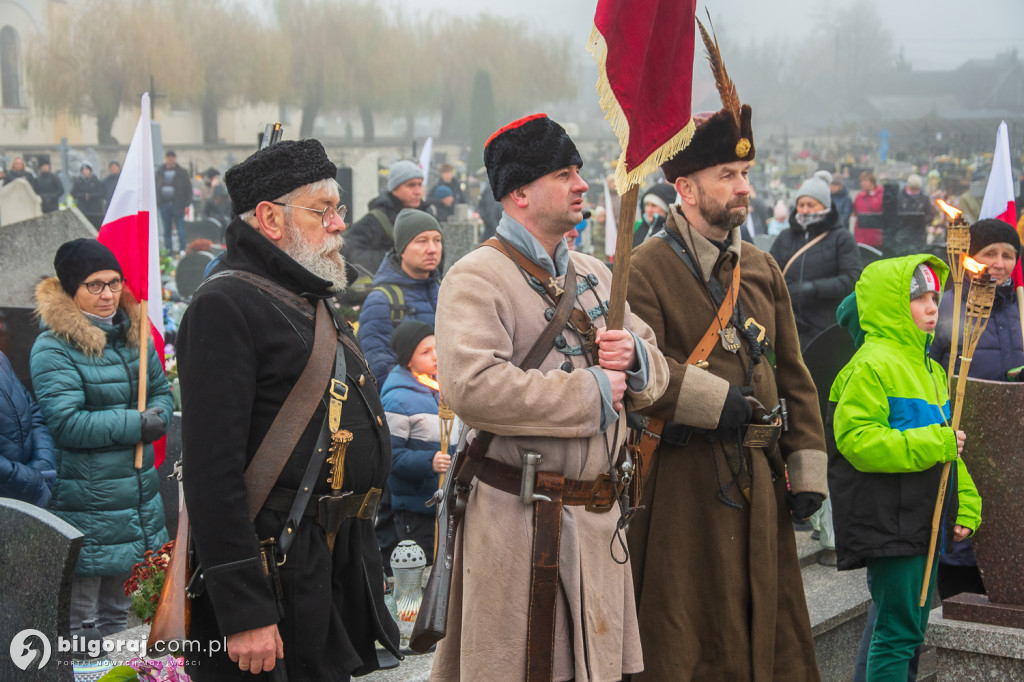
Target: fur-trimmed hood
x=59 y=313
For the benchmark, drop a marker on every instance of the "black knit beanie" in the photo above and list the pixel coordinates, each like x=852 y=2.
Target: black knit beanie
x=992 y=231
x=273 y=172
x=525 y=150
x=79 y=258
x=406 y=337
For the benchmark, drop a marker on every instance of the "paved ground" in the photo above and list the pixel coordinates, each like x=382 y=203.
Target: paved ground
x=828 y=593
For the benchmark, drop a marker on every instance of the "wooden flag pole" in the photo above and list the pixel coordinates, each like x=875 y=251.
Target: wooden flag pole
x=143 y=370
x=623 y=251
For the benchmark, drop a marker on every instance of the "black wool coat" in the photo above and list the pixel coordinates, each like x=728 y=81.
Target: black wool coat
x=50 y=189
x=89 y=195
x=822 y=276
x=240 y=351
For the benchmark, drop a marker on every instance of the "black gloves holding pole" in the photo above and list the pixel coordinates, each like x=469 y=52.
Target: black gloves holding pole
x=153 y=426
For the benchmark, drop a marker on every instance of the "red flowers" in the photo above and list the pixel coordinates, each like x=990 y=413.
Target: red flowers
x=147 y=581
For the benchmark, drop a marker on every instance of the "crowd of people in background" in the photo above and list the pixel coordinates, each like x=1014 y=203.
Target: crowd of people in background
x=857 y=193
x=821 y=227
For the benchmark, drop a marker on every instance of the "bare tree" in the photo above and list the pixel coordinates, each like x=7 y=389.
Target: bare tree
x=100 y=56
x=529 y=67
x=230 y=59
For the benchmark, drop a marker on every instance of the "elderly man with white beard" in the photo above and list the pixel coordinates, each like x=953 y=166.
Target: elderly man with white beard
x=290 y=570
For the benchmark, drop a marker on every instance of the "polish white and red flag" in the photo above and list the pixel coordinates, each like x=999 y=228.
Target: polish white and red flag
x=999 y=202
x=130 y=231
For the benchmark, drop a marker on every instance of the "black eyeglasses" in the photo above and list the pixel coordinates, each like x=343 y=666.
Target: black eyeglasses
x=96 y=286
x=326 y=215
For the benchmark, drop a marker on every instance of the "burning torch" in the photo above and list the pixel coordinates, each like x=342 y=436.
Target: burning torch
x=958 y=241
x=446 y=416
x=980 y=296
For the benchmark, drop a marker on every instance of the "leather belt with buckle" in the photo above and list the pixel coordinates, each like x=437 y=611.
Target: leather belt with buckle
x=350 y=505
x=598 y=495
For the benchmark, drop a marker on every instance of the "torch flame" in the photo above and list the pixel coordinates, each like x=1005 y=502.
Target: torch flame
x=427 y=381
x=951 y=211
x=973 y=266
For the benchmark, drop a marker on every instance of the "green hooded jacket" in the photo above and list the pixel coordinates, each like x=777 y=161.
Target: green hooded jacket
x=885 y=425
x=85 y=376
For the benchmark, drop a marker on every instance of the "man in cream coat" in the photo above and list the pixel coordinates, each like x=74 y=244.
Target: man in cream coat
x=490 y=312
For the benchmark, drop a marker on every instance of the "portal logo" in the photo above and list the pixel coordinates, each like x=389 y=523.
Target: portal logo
x=26 y=652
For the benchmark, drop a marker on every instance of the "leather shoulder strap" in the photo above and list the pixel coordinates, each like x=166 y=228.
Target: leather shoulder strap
x=478 y=448
x=581 y=321
x=267 y=286
x=803 y=249
x=293 y=417
x=726 y=303
x=563 y=310
x=526 y=263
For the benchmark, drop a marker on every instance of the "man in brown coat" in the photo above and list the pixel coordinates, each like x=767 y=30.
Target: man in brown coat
x=490 y=311
x=715 y=568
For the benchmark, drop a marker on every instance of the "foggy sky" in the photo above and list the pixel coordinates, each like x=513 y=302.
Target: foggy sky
x=935 y=34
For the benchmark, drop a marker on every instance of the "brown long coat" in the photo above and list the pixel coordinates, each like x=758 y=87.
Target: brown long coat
x=487 y=319
x=719 y=590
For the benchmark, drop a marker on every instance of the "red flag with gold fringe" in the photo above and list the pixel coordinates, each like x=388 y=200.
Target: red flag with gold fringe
x=644 y=53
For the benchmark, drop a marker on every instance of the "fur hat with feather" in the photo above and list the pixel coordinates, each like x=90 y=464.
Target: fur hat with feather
x=722 y=136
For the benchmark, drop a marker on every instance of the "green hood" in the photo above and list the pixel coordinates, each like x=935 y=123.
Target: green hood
x=883 y=298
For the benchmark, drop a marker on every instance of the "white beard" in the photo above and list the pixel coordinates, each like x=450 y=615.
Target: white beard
x=325 y=261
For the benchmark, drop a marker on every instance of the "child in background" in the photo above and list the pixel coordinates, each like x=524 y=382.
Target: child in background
x=410 y=397
x=780 y=219
x=888 y=439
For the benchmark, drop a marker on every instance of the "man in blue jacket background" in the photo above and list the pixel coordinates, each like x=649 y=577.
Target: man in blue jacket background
x=405 y=287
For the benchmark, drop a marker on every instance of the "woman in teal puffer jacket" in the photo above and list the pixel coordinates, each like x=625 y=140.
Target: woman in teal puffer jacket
x=85 y=368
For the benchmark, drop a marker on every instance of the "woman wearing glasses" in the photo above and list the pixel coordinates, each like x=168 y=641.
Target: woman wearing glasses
x=85 y=371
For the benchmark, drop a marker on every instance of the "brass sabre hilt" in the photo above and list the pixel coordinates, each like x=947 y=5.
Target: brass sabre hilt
x=340 y=440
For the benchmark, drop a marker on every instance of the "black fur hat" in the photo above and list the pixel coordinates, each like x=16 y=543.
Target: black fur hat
x=525 y=150
x=273 y=172
x=716 y=140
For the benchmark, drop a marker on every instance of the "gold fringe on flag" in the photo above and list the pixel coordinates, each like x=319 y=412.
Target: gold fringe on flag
x=627 y=178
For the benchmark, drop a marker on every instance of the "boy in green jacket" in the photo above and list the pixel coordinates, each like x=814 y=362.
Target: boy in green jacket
x=888 y=437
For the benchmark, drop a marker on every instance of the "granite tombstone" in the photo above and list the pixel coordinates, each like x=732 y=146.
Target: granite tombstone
x=27 y=248
x=992 y=415
x=38 y=554
x=18 y=201
x=460 y=237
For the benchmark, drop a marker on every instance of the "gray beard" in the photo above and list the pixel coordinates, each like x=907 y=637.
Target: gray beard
x=324 y=261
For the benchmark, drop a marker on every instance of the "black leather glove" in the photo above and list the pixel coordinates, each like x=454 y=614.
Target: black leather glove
x=737 y=410
x=802 y=505
x=801 y=291
x=152 y=425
